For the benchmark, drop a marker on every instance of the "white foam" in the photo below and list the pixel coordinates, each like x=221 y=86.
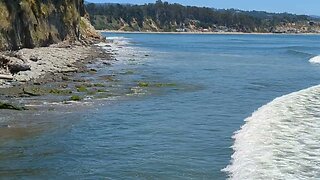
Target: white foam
x=281 y=140
x=122 y=51
x=120 y=41
x=116 y=38
x=315 y=60
x=102 y=44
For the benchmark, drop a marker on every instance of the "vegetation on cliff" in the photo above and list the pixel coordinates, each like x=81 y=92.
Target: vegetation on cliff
x=33 y=23
x=162 y=16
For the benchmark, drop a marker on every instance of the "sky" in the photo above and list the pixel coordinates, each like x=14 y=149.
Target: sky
x=308 y=7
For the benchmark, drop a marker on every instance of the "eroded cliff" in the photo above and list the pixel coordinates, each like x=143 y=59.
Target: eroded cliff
x=34 y=23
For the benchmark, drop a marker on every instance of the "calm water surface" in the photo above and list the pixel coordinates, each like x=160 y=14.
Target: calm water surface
x=179 y=132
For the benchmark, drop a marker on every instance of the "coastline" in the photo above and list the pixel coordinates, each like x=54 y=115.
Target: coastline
x=69 y=76
x=54 y=73
x=83 y=76
x=201 y=33
x=32 y=65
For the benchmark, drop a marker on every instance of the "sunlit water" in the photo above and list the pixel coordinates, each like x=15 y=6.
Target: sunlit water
x=183 y=131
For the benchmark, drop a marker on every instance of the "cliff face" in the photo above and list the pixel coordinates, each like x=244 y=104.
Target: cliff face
x=33 y=23
x=163 y=16
x=149 y=25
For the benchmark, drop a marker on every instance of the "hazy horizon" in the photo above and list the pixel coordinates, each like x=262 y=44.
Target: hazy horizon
x=294 y=6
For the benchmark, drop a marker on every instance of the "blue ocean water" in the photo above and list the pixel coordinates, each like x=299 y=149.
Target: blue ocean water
x=179 y=132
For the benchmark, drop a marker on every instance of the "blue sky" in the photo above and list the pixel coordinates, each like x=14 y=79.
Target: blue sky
x=310 y=7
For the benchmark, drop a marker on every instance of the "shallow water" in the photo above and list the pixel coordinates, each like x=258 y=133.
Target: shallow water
x=183 y=131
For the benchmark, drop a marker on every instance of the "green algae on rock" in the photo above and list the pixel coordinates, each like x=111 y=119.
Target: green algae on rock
x=60 y=92
x=11 y=107
x=147 y=84
x=82 y=89
x=75 y=98
x=143 y=84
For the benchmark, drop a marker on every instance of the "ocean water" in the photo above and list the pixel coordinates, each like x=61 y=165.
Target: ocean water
x=235 y=106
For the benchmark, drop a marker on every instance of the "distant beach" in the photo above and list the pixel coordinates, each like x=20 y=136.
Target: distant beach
x=217 y=33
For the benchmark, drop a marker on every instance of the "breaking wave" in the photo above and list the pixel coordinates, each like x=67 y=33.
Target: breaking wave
x=120 y=41
x=315 y=60
x=281 y=140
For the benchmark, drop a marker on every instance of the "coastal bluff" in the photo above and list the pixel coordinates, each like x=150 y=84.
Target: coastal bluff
x=37 y=23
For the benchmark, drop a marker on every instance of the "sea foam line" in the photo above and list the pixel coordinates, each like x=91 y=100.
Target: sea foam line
x=281 y=140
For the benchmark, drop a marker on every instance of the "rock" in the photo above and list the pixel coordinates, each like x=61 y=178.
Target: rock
x=143 y=84
x=22 y=77
x=6 y=76
x=11 y=107
x=13 y=64
x=34 y=58
x=68 y=70
x=75 y=98
x=107 y=63
x=32 y=91
x=4 y=59
x=65 y=78
x=15 y=68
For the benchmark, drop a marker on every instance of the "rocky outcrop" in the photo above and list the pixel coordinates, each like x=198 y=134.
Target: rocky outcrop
x=35 y=23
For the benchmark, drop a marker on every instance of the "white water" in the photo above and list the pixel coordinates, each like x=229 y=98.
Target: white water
x=315 y=60
x=281 y=140
x=122 y=51
x=120 y=41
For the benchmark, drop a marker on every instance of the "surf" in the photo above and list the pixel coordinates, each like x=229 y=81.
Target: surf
x=280 y=140
x=315 y=60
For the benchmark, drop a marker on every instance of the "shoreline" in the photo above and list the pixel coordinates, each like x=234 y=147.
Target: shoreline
x=90 y=77
x=55 y=74
x=201 y=33
x=41 y=64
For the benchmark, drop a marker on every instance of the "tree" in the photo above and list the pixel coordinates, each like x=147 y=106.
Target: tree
x=173 y=16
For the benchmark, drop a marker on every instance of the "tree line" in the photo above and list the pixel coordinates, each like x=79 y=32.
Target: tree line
x=171 y=16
